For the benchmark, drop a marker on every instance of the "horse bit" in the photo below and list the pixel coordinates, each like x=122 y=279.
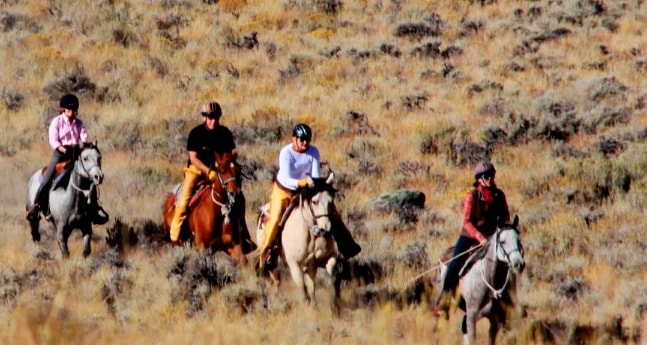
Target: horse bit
x=94 y=185
x=314 y=229
x=225 y=209
x=498 y=293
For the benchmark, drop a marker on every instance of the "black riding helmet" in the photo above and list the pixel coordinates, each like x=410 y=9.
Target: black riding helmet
x=302 y=131
x=69 y=101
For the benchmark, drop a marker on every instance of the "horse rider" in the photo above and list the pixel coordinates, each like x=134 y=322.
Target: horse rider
x=483 y=208
x=297 y=160
x=66 y=132
x=204 y=141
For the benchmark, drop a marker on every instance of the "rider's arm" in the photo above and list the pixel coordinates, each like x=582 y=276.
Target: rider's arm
x=193 y=157
x=284 y=175
x=54 y=136
x=468 y=226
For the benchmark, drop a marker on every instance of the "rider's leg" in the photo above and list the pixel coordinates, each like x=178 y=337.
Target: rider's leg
x=342 y=235
x=444 y=299
x=191 y=176
x=278 y=202
x=40 y=202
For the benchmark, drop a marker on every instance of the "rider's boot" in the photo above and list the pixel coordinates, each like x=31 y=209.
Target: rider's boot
x=34 y=212
x=442 y=305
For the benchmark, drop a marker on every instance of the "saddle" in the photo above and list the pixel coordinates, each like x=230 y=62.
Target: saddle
x=62 y=173
x=294 y=201
x=199 y=189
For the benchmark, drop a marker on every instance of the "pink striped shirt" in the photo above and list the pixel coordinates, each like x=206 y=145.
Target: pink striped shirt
x=62 y=132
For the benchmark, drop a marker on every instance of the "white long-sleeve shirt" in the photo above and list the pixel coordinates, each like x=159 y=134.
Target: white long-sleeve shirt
x=294 y=166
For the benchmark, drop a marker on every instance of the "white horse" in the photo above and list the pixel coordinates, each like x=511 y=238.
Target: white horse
x=306 y=239
x=70 y=203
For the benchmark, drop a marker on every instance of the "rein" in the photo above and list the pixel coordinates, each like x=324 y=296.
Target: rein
x=443 y=263
x=225 y=208
x=497 y=293
x=93 y=185
x=314 y=230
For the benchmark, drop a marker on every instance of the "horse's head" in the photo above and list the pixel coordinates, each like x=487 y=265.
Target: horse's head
x=509 y=248
x=321 y=201
x=228 y=176
x=88 y=163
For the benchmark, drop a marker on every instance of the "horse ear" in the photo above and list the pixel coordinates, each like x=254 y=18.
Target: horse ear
x=330 y=178
x=515 y=221
x=94 y=143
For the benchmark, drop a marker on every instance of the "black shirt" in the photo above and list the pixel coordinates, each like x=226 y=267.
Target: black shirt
x=206 y=142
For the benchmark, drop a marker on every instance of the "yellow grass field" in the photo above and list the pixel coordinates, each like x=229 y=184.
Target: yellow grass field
x=401 y=94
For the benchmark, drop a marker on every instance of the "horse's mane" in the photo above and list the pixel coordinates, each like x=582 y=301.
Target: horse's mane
x=320 y=185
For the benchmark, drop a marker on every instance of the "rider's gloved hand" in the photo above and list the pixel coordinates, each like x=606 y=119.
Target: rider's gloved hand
x=212 y=175
x=307 y=182
x=66 y=150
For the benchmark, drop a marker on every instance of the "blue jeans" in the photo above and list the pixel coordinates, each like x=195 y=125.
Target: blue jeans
x=57 y=157
x=463 y=244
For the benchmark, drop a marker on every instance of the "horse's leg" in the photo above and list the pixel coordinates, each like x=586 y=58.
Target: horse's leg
x=494 y=329
x=309 y=281
x=470 y=326
x=332 y=267
x=237 y=253
x=87 y=234
x=297 y=276
x=62 y=234
x=35 y=233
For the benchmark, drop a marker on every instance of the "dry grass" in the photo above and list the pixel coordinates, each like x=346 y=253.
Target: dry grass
x=401 y=94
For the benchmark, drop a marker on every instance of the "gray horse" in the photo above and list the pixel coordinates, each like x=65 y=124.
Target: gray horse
x=487 y=283
x=70 y=206
x=487 y=288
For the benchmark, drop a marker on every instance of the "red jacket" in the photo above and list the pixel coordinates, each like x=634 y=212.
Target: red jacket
x=480 y=217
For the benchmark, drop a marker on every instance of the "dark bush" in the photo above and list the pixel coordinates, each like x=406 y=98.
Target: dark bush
x=429 y=50
x=12 y=99
x=416 y=31
x=75 y=82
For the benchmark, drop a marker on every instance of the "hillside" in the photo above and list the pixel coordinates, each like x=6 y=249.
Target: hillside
x=401 y=94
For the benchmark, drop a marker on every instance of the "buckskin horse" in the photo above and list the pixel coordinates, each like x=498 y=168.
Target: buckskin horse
x=213 y=216
x=488 y=278
x=306 y=239
x=70 y=202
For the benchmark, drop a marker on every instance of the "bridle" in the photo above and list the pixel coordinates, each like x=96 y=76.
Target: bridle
x=497 y=293
x=85 y=175
x=225 y=205
x=314 y=229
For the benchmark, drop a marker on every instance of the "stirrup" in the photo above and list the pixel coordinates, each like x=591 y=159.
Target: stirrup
x=33 y=214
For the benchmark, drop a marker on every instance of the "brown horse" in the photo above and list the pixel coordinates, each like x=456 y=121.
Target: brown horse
x=213 y=219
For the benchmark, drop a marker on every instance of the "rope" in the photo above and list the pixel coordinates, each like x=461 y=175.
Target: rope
x=444 y=263
x=497 y=293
